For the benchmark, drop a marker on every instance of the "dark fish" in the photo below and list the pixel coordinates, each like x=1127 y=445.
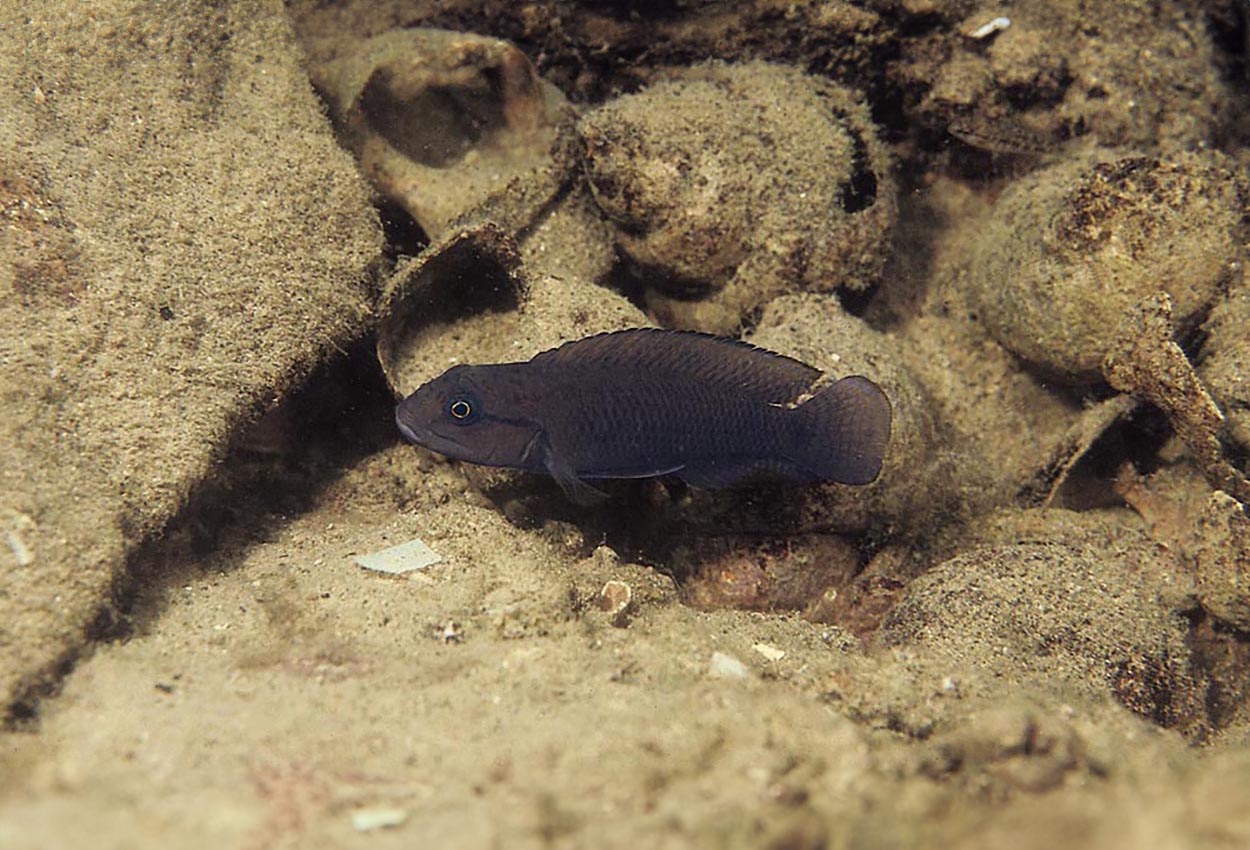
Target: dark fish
x=647 y=402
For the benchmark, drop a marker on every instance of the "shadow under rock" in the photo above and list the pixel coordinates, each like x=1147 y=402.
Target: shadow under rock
x=275 y=469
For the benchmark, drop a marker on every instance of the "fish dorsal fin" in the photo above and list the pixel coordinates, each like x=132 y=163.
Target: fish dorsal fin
x=756 y=372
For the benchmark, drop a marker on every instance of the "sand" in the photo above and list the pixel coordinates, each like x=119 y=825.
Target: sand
x=1029 y=632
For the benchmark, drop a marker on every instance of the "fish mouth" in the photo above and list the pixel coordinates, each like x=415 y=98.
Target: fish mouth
x=429 y=440
x=409 y=434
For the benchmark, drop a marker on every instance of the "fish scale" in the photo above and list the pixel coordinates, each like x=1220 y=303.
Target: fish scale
x=655 y=424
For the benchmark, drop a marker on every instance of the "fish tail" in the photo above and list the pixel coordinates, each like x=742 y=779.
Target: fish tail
x=846 y=427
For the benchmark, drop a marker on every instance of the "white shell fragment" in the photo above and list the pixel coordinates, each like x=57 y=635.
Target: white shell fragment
x=397 y=560
x=769 y=651
x=21 y=552
x=986 y=30
x=367 y=820
x=725 y=666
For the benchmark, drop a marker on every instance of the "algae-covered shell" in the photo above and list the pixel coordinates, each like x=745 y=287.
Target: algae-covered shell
x=1066 y=253
x=731 y=184
x=441 y=120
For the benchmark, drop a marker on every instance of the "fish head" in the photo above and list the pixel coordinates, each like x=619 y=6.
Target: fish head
x=470 y=413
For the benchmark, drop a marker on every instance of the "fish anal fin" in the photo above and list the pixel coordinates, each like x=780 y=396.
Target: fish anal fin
x=715 y=475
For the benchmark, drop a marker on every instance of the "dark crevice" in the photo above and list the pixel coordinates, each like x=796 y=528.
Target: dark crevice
x=624 y=278
x=856 y=301
x=860 y=190
x=404 y=237
x=1222 y=654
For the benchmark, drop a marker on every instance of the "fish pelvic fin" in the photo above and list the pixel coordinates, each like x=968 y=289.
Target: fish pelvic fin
x=575 y=488
x=845 y=428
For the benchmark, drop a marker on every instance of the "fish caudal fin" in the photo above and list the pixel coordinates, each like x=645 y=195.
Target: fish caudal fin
x=845 y=429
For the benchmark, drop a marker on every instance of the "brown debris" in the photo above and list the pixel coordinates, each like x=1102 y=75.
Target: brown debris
x=1146 y=361
x=858 y=608
x=765 y=575
x=614 y=600
x=1024 y=749
x=1167 y=501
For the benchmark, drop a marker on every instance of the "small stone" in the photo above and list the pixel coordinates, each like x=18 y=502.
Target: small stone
x=605 y=557
x=21 y=552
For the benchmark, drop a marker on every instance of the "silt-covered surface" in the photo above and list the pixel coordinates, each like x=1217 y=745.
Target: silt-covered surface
x=222 y=258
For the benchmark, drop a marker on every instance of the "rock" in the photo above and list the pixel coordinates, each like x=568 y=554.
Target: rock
x=1081 y=619
x=724 y=666
x=1222 y=366
x=185 y=244
x=763 y=574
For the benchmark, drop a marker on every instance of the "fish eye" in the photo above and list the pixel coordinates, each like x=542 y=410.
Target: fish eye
x=463 y=409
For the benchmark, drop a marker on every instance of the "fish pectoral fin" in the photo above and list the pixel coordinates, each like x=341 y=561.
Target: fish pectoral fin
x=575 y=488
